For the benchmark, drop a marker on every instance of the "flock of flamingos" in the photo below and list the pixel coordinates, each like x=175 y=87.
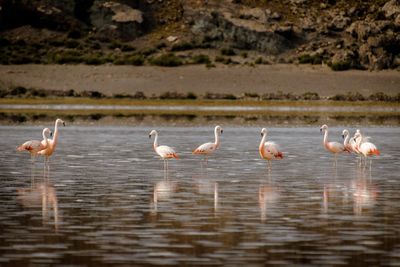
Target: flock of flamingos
x=268 y=150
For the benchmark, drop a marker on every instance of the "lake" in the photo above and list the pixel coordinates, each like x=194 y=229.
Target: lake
x=106 y=200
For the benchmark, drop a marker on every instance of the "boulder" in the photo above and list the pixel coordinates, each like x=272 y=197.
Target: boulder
x=391 y=8
x=115 y=20
x=239 y=33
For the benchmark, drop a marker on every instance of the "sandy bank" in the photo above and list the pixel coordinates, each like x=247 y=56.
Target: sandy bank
x=111 y=79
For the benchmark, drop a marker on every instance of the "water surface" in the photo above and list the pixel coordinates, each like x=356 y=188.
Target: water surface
x=106 y=200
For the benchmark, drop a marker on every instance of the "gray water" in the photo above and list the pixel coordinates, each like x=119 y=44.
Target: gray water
x=106 y=200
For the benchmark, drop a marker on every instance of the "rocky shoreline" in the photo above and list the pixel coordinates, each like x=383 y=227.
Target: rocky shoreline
x=341 y=34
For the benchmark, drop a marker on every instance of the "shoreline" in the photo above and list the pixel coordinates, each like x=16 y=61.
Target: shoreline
x=288 y=78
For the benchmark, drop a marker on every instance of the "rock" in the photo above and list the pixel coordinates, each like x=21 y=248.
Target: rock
x=339 y=23
x=172 y=39
x=253 y=14
x=391 y=8
x=115 y=20
x=276 y=16
x=222 y=27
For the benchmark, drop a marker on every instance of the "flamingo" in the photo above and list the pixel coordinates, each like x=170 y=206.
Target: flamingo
x=165 y=152
x=35 y=146
x=366 y=148
x=333 y=147
x=52 y=142
x=208 y=148
x=269 y=150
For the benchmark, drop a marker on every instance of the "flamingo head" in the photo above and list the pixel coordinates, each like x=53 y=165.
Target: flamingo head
x=264 y=131
x=345 y=133
x=153 y=132
x=60 y=121
x=47 y=131
x=323 y=128
x=218 y=129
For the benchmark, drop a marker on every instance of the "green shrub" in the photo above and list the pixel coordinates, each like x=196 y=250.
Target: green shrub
x=228 y=52
x=166 y=60
x=201 y=59
x=259 y=60
x=339 y=66
x=379 y=96
x=191 y=95
x=182 y=46
x=310 y=96
x=94 y=59
x=224 y=60
x=309 y=59
x=210 y=65
x=136 y=60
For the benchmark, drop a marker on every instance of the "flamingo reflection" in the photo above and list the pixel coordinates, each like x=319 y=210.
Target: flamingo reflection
x=208 y=187
x=163 y=190
x=43 y=195
x=268 y=196
x=364 y=192
x=360 y=191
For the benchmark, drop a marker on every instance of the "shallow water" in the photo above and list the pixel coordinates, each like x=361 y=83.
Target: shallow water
x=106 y=200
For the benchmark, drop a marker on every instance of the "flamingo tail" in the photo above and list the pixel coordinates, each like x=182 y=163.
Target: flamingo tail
x=375 y=152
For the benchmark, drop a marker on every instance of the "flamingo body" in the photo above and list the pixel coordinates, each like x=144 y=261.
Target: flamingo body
x=36 y=146
x=166 y=152
x=208 y=148
x=369 y=149
x=335 y=147
x=268 y=150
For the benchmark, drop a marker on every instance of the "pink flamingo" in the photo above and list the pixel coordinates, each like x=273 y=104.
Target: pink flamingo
x=366 y=148
x=35 y=146
x=333 y=147
x=49 y=150
x=268 y=150
x=208 y=148
x=165 y=152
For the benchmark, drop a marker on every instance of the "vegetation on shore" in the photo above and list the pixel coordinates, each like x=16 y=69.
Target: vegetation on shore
x=20 y=92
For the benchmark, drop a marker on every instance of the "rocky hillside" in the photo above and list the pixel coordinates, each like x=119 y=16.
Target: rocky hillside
x=343 y=34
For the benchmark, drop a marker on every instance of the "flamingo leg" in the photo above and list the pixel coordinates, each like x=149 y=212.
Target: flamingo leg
x=269 y=165
x=335 y=159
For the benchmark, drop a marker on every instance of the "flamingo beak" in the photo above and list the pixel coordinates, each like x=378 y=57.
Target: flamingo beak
x=222 y=131
x=261 y=134
x=320 y=130
x=343 y=136
x=149 y=136
x=51 y=134
x=64 y=123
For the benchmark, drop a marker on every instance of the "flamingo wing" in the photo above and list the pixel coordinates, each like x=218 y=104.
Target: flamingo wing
x=368 y=149
x=166 y=152
x=273 y=149
x=335 y=147
x=205 y=148
x=32 y=146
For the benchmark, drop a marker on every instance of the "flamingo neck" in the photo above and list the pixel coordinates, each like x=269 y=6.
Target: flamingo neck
x=346 y=140
x=55 y=136
x=155 y=145
x=358 y=142
x=216 y=138
x=261 y=147
x=326 y=138
x=45 y=138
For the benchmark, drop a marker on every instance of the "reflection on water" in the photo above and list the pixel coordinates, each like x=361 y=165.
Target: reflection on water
x=106 y=200
x=40 y=195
